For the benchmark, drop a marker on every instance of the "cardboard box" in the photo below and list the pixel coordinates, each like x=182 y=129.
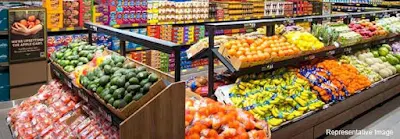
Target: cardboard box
x=24 y=91
x=28 y=73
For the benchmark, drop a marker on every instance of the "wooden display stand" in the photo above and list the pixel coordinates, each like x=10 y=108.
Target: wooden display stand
x=315 y=125
x=161 y=117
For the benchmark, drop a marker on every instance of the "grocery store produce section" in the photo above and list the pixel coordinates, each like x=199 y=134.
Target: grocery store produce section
x=287 y=72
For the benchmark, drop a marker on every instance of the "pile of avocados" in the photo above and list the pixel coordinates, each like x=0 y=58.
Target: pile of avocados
x=118 y=83
x=75 y=54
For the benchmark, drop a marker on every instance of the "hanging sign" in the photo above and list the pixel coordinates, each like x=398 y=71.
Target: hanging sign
x=27 y=34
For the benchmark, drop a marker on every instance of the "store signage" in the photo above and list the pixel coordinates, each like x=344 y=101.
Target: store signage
x=27 y=34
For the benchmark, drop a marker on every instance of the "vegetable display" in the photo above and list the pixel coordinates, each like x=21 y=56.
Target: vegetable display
x=75 y=54
x=362 y=67
x=206 y=118
x=367 y=29
x=117 y=81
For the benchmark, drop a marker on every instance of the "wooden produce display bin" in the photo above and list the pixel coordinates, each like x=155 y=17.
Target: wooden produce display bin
x=159 y=113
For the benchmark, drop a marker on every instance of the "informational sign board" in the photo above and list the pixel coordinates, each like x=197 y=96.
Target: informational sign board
x=27 y=34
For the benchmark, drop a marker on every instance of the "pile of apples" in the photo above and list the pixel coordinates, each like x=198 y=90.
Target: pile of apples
x=367 y=29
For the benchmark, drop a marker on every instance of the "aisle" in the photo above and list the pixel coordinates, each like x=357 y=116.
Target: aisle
x=386 y=117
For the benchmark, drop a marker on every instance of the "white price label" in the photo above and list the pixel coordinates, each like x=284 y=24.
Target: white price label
x=310 y=57
x=347 y=50
x=331 y=52
x=94 y=28
x=366 y=45
x=268 y=67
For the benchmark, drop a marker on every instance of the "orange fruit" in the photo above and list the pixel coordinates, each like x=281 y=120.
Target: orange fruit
x=252 y=48
x=235 y=47
x=239 y=53
x=275 y=37
x=274 y=49
x=274 y=54
x=290 y=52
x=250 y=58
x=242 y=58
x=250 y=40
x=282 y=53
x=232 y=52
x=268 y=50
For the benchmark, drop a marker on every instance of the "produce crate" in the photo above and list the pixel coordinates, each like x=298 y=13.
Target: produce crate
x=236 y=63
x=130 y=108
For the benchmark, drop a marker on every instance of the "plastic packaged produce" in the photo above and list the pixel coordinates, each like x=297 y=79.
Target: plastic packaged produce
x=48 y=114
x=206 y=118
x=346 y=74
x=274 y=97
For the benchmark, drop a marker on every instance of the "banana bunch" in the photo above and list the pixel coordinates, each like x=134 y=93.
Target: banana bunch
x=276 y=96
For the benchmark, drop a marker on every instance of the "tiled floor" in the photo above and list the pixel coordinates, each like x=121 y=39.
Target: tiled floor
x=385 y=118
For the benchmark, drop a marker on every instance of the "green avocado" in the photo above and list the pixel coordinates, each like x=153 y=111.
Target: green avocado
x=143 y=82
x=118 y=93
x=143 y=75
x=128 y=98
x=104 y=80
x=107 y=97
x=133 y=88
x=134 y=80
x=137 y=96
x=153 y=77
x=141 y=68
x=129 y=65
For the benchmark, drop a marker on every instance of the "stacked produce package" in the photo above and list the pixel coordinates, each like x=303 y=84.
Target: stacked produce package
x=55 y=112
x=206 y=118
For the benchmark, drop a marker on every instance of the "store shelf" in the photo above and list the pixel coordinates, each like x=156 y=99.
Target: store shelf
x=3 y=33
x=63 y=77
x=327 y=52
x=367 y=5
x=338 y=113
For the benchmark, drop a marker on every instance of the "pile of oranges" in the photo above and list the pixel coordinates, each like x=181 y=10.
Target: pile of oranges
x=206 y=118
x=260 y=49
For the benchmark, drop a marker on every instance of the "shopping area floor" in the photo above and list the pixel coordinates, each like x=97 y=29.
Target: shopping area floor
x=384 y=117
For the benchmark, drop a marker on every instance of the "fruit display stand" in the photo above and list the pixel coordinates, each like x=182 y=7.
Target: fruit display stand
x=159 y=114
x=310 y=125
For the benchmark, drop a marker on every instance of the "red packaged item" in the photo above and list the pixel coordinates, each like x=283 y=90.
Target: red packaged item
x=82 y=125
x=77 y=122
x=85 y=132
x=101 y=136
x=93 y=134
x=46 y=131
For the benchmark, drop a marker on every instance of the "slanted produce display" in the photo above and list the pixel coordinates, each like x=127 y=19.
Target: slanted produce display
x=56 y=112
x=274 y=97
x=206 y=118
x=75 y=54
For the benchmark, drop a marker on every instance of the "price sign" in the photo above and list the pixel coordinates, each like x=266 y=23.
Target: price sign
x=365 y=45
x=382 y=41
x=268 y=67
x=290 y=20
x=251 y=25
x=330 y=53
x=310 y=57
x=347 y=50
x=56 y=72
x=392 y=39
x=94 y=28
